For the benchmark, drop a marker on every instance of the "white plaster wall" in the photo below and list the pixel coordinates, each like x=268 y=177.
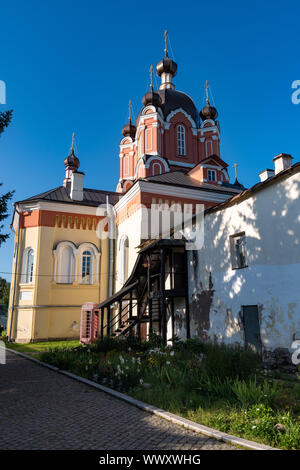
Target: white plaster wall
x=271 y=222
x=132 y=227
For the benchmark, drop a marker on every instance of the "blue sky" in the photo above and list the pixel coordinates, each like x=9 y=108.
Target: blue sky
x=73 y=66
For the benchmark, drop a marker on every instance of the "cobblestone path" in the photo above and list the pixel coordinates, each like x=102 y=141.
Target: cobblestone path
x=42 y=409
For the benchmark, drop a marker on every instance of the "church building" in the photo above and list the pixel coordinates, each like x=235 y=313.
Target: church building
x=64 y=253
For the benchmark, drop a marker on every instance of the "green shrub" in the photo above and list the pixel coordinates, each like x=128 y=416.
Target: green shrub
x=109 y=343
x=250 y=392
x=230 y=361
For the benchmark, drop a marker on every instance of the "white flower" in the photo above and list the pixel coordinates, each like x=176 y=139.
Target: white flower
x=253 y=427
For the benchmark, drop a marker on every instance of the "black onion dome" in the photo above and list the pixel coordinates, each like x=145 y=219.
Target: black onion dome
x=72 y=161
x=129 y=130
x=166 y=65
x=151 y=97
x=173 y=99
x=209 y=112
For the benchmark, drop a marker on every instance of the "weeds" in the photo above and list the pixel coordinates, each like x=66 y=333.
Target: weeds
x=219 y=386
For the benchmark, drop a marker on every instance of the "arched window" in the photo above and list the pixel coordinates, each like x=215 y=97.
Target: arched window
x=28 y=264
x=156 y=169
x=86 y=267
x=64 y=262
x=209 y=148
x=181 y=140
x=65 y=266
x=123 y=257
x=88 y=261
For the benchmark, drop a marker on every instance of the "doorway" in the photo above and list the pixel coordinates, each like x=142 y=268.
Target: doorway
x=252 y=328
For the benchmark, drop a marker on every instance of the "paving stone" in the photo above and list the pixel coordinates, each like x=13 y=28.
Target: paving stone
x=41 y=409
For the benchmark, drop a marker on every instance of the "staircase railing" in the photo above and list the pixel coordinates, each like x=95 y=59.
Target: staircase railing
x=117 y=319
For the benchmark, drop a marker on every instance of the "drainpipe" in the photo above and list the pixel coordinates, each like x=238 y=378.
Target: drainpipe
x=110 y=249
x=15 y=278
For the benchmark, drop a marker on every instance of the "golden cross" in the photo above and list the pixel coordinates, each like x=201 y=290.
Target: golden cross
x=206 y=89
x=235 y=170
x=151 y=77
x=73 y=140
x=166 y=45
x=130 y=110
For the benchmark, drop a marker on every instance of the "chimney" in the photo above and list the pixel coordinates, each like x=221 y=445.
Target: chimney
x=266 y=174
x=283 y=161
x=76 y=192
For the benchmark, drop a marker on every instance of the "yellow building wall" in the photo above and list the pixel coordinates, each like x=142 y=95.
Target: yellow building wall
x=54 y=311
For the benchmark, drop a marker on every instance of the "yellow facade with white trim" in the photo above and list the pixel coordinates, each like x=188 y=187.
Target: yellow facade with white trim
x=45 y=309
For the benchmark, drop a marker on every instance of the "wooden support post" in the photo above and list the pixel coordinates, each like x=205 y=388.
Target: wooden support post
x=162 y=289
x=172 y=287
x=102 y=322
x=187 y=304
x=149 y=296
x=130 y=305
x=138 y=326
x=120 y=314
x=172 y=317
x=108 y=320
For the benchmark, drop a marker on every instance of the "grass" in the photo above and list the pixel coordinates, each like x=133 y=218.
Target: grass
x=219 y=386
x=35 y=348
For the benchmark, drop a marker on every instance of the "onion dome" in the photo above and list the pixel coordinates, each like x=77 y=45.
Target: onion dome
x=129 y=130
x=209 y=112
x=71 y=161
x=166 y=69
x=151 y=97
x=166 y=65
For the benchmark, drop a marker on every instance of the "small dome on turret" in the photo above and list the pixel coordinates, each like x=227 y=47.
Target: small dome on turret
x=71 y=161
x=208 y=112
x=129 y=130
x=151 y=97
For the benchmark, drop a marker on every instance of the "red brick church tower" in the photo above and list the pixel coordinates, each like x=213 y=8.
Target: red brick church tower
x=170 y=134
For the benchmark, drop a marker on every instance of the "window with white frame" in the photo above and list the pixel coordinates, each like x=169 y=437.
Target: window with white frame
x=88 y=261
x=211 y=175
x=29 y=266
x=123 y=257
x=65 y=265
x=209 y=148
x=181 y=140
x=76 y=264
x=238 y=250
x=156 y=169
x=86 y=267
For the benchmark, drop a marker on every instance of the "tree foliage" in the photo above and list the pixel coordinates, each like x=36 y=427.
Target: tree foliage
x=5 y=119
x=4 y=292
